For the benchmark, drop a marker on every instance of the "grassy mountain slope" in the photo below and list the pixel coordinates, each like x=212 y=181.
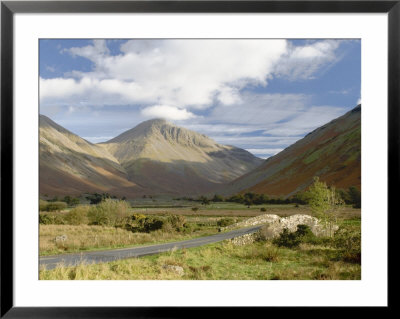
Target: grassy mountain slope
x=332 y=152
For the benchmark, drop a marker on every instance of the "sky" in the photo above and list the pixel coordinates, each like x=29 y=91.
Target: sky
x=261 y=95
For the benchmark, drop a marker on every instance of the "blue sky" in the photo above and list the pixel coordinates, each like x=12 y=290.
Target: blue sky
x=261 y=95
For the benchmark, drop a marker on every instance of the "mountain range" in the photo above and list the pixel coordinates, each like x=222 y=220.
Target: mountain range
x=157 y=157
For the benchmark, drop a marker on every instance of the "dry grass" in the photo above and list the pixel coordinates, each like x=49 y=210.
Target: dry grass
x=258 y=261
x=85 y=237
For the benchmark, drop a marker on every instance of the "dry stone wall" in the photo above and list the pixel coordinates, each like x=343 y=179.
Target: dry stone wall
x=274 y=225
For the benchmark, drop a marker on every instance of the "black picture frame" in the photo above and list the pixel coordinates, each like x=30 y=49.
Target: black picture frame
x=9 y=8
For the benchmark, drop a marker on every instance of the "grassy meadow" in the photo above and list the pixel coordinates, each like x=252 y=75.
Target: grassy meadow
x=318 y=259
x=113 y=223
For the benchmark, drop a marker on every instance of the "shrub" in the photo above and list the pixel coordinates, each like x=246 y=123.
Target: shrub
x=141 y=223
x=42 y=205
x=51 y=219
x=195 y=209
x=348 y=243
x=55 y=206
x=223 y=222
x=71 y=201
x=44 y=219
x=151 y=224
x=263 y=209
x=176 y=221
x=303 y=231
x=167 y=227
x=287 y=239
x=109 y=212
x=78 y=215
x=97 y=198
x=303 y=234
x=271 y=254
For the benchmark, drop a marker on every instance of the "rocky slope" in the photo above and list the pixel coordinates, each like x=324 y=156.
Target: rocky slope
x=170 y=159
x=70 y=165
x=332 y=152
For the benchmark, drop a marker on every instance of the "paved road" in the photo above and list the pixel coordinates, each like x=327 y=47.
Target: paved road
x=51 y=262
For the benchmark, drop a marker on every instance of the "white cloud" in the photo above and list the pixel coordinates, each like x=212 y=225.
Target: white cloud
x=167 y=112
x=306 y=121
x=201 y=83
x=302 y=62
x=184 y=73
x=96 y=52
x=50 y=68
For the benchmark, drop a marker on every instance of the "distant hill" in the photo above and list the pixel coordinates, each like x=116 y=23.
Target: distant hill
x=155 y=157
x=332 y=152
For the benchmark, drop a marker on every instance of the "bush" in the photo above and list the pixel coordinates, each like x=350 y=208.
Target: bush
x=51 y=219
x=78 y=215
x=42 y=205
x=223 y=222
x=348 y=242
x=141 y=223
x=55 y=206
x=263 y=209
x=195 y=209
x=177 y=221
x=290 y=240
x=151 y=224
x=287 y=239
x=109 y=213
x=71 y=201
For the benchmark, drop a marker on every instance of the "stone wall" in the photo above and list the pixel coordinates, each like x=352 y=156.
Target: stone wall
x=244 y=239
x=258 y=220
x=274 y=225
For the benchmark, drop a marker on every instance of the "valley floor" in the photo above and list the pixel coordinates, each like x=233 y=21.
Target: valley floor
x=256 y=261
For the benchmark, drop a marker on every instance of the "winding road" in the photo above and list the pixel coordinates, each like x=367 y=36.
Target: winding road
x=51 y=262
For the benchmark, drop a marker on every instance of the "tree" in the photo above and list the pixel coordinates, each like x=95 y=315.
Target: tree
x=248 y=202
x=204 y=200
x=217 y=198
x=324 y=201
x=355 y=196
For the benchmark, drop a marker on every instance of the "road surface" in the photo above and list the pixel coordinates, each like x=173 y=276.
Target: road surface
x=51 y=262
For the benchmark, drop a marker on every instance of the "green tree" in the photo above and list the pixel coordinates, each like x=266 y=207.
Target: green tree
x=217 y=198
x=248 y=202
x=355 y=196
x=324 y=202
x=204 y=200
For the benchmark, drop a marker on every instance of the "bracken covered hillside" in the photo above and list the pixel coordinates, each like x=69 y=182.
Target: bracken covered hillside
x=332 y=152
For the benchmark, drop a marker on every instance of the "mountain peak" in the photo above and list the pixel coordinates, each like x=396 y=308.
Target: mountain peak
x=156 y=128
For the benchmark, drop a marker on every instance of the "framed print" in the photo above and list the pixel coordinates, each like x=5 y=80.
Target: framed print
x=163 y=155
